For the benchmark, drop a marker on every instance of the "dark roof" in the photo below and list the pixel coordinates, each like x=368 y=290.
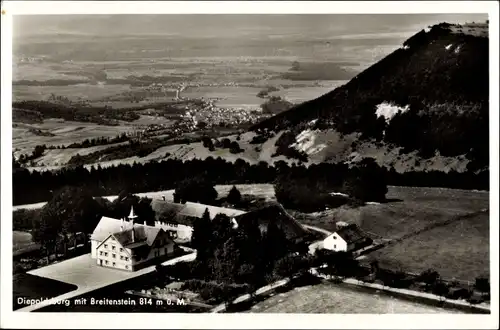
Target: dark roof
x=351 y=234
x=142 y=235
x=277 y=214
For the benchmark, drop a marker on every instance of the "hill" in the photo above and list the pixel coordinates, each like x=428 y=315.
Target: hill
x=428 y=98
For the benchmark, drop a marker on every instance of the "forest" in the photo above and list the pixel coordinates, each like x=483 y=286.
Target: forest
x=35 y=186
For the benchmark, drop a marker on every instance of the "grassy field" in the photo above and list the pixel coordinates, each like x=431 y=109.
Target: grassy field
x=22 y=241
x=333 y=299
x=64 y=132
x=36 y=287
x=459 y=249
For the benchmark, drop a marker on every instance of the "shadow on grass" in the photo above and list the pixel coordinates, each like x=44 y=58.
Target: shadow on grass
x=27 y=286
x=391 y=200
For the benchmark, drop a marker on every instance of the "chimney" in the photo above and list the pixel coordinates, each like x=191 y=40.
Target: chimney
x=144 y=222
x=121 y=224
x=133 y=234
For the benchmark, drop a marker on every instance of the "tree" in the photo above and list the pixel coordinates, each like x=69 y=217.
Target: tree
x=482 y=284
x=366 y=181
x=226 y=143
x=234 y=196
x=249 y=274
x=198 y=190
x=201 y=239
x=234 y=148
x=46 y=231
x=222 y=229
x=286 y=267
x=291 y=265
x=274 y=243
x=121 y=206
x=71 y=210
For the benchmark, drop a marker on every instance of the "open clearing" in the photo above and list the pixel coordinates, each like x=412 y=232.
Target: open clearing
x=65 y=132
x=22 y=241
x=334 y=299
x=457 y=250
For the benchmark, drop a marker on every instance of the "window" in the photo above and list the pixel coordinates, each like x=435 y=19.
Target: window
x=106 y=262
x=100 y=253
x=114 y=255
x=121 y=249
x=114 y=264
x=126 y=266
x=121 y=257
x=105 y=246
x=334 y=237
x=113 y=247
x=126 y=258
x=334 y=246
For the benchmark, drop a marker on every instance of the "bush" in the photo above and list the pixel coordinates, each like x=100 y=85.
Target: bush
x=215 y=292
x=234 y=148
x=23 y=219
x=259 y=139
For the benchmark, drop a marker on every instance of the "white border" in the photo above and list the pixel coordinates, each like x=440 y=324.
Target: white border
x=347 y=321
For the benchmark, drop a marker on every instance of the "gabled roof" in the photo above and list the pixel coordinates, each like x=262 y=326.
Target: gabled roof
x=185 y=213
x=142 y=235
x=275 y=213
x=351 y=234
x=106 y=227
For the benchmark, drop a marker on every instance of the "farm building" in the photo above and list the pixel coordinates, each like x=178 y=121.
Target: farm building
x=180 y=217
x=347 y=238
x=123 y=244
x=277 y=214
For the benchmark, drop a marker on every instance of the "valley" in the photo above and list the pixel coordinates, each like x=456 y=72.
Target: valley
x=258 y=169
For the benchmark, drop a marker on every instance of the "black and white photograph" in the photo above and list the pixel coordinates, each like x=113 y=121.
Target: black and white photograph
x=252 y=164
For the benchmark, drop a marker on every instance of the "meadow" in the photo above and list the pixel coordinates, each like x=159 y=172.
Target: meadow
x=60 y=132
x=457 y=250
x=334 y=299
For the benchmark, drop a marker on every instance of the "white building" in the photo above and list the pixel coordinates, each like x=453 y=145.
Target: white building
x=179 y=218
x=121 y=244
x=347 y=238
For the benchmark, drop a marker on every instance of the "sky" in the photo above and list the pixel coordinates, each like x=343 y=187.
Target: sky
x=359 y=38
x=231 y=25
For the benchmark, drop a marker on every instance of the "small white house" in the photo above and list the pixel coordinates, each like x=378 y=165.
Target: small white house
x=347 y=238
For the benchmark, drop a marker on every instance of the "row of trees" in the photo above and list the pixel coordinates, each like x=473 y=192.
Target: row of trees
x=99 y=141
x=225 y=143
x=100 y=115
x=73 y=210
x=35 y=186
